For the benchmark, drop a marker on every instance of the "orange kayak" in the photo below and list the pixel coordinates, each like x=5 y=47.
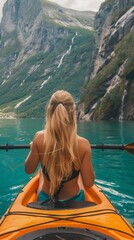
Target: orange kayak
x=94 y=219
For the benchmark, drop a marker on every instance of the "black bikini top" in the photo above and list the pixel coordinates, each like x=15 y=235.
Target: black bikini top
x=74 y=174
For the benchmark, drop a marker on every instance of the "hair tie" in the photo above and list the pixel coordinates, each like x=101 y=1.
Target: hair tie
x=57 y=103
x=60 y=103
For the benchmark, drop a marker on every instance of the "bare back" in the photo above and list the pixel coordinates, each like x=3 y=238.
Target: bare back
x=71 y=187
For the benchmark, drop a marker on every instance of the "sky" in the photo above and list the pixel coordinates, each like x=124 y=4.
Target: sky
x=92 y=5
x=1 y=6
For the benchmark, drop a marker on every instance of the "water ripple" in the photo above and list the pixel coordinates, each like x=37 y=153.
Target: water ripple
x=105 y=186
x=115 y=193
x=98 y=181
x=16 y=187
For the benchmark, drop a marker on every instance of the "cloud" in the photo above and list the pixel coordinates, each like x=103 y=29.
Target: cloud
x=1 y=6
x=92 y=5
x=81 y=5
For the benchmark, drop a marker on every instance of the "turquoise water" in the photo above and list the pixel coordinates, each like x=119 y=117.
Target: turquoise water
x=114 y=168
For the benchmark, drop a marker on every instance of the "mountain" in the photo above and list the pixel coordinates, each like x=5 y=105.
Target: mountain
x=43 y=47
x=109 y=92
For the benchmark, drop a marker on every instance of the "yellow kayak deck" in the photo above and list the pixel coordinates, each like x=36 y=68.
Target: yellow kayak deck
x=89 y=221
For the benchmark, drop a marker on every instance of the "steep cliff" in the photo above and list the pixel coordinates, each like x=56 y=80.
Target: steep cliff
x=43 y=47
x=109 y=93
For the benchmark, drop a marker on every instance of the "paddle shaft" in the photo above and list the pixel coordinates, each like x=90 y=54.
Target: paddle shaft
x=11 y=147
x=94 y=146
x=129 y=147
x=107 y=146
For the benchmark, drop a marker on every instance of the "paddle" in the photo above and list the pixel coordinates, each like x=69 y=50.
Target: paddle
x=128 y=147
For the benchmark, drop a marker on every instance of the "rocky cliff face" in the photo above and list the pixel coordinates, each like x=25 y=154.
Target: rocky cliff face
x=118 y=20
x=43 y=47
x=109 y=93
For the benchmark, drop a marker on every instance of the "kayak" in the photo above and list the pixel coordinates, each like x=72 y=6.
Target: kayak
x=95 y=218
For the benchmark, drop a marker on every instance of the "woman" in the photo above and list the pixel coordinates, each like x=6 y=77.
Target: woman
x=64 y=156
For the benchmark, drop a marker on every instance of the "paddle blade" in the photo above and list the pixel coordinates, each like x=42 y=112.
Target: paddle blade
x=129 y=148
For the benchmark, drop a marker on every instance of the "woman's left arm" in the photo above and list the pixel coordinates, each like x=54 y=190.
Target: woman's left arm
x=32 y=159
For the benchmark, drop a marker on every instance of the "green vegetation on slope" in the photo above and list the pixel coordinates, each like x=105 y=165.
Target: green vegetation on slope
x=27 y=78
x=97 y=87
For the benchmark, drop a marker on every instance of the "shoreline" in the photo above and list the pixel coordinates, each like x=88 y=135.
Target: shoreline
x=8 y=115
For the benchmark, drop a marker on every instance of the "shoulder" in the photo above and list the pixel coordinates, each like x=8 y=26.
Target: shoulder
x=84 y=146
x=39 y=133
x=39 y=136
x=83 y=142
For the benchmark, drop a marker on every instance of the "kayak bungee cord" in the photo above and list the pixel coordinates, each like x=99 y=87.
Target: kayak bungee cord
x=88 y=214
x=70 y=218
x=67 y=215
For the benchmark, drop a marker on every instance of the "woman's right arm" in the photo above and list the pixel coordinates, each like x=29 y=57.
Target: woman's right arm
x=87 y=171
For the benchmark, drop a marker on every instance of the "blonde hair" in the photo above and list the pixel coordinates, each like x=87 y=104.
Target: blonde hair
x=60 y=143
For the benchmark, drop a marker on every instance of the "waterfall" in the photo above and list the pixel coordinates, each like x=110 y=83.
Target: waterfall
x=3 y=82
x=18 y=104
x=6 y=78
x=121 y=117
x=45 y=81
x=22 y=82
x=61 y=60
x=68 y=51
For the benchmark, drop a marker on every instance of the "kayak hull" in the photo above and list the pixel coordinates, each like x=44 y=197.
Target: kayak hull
x=97 y=217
